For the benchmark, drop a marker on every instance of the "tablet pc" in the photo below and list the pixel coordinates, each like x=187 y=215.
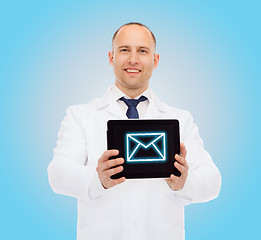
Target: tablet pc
x=147 y=146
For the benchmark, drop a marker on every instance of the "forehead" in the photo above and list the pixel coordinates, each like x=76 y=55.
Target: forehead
x=134 y=35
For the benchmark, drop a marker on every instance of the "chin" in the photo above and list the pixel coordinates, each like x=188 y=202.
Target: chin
x=132 y=84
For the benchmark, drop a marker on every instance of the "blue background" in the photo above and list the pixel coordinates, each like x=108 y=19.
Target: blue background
x=53 y=54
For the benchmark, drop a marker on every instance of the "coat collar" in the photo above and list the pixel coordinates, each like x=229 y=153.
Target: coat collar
x=154 y=110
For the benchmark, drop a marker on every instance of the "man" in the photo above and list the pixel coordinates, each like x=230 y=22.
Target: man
x=122 y=209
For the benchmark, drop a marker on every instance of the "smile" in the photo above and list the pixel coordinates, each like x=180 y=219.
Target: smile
x=132 y=70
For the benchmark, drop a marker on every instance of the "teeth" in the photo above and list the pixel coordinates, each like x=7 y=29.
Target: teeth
x=132 y=70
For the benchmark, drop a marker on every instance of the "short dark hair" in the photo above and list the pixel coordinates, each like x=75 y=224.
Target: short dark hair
x=133 y=23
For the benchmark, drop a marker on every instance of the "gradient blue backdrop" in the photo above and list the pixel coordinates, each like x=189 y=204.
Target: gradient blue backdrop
x=53 y=54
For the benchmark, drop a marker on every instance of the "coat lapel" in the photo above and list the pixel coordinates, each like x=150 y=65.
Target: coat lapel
x=115 y=109
x=154 y=110
x=109 y=103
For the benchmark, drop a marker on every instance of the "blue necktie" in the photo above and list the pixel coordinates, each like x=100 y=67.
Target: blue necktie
x=132 y=104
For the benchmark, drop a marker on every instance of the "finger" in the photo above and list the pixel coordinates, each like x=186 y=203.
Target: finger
x=174 y=178
x=118 y=181
x=183 y=170
x=112 y=163
x=183 y=151
x=113 y=171
x=107 y=154
x=181 y=160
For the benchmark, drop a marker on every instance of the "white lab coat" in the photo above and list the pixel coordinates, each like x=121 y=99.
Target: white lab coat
x=136 y=209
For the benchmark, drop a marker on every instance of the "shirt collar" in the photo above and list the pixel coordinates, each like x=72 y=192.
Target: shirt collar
x=117 y=93
x=113 y=94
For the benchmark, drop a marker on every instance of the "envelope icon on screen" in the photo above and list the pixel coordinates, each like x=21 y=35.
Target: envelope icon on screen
x=146 y=147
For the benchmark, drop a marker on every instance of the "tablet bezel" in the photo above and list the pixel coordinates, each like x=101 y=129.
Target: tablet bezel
x=116 y=132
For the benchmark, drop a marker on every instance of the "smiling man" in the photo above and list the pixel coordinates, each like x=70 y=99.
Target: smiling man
x=121 y=209
x=133 y=59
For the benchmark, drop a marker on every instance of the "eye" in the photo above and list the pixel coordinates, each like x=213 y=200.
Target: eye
x=124 y=50
x=143 y=51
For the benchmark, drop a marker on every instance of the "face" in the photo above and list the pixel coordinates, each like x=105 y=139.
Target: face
x=133 y=58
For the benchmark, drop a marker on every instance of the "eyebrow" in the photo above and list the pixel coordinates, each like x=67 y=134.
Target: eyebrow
x=144 y=47
x=126 y=46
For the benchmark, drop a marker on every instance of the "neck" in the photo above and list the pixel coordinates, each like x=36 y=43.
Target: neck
x=131 y=92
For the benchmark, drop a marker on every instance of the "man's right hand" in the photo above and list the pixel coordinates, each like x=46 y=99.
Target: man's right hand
x=105 y=168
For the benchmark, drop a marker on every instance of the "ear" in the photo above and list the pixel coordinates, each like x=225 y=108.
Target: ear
x=110 y=55
x=156 y=60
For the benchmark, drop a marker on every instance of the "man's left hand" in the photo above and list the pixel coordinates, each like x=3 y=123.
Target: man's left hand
x=174 y=182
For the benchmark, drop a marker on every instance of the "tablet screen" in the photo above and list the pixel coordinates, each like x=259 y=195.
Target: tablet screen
x=147 y=146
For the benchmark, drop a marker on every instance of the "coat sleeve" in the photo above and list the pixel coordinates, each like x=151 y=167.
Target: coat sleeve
x=68 y=173
x=204 y=180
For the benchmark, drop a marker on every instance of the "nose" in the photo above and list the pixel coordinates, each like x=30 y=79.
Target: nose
x=133 y=58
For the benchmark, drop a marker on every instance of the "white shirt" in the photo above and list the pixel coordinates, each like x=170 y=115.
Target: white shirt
x=142 y=106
